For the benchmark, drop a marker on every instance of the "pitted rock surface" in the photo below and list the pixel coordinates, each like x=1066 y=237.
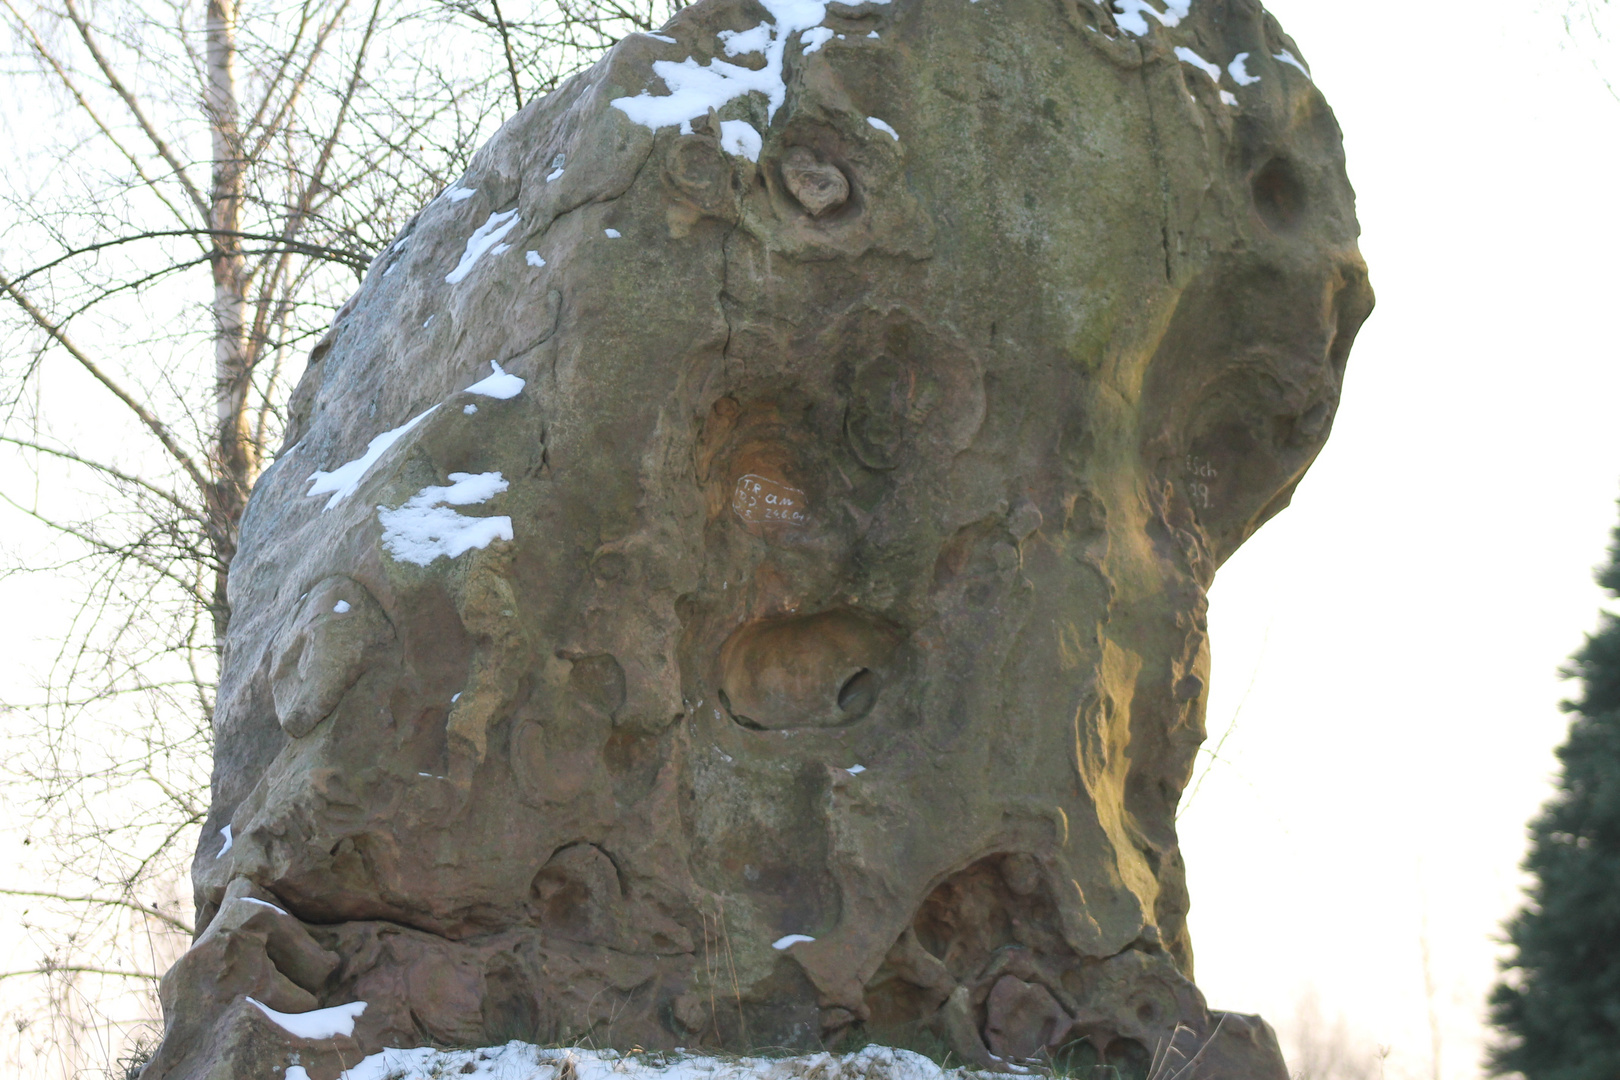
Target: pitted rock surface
x=737 y=573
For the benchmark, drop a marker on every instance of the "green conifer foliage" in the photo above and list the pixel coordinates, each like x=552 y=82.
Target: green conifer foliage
x=1558 y=1004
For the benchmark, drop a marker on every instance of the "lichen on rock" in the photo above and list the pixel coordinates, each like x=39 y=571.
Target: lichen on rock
x=798 y=637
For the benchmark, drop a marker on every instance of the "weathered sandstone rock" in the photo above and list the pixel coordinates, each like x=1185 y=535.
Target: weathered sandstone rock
x=798 y=635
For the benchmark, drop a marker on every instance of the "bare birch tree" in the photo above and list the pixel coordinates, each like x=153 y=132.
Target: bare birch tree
x=194 y=186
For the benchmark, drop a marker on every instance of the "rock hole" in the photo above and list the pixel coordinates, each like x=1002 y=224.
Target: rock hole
x=1076 y=1059
x=509 y=1007
x=737 y=717
x=858 y=694
x=1131 y=1058
x=1279 y=196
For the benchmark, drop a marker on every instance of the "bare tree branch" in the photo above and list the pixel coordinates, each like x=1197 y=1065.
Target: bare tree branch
x=158 y=142
x=117 y=474
x=106 y=901
x=146 y=416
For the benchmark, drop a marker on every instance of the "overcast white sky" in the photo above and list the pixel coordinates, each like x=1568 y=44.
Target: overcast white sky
x=1390 y=644
x=1403 y=623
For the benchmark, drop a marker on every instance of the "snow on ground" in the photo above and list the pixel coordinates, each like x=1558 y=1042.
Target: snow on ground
x=521 y=1061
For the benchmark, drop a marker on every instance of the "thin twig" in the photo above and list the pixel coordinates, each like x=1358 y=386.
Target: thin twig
x=108 y=901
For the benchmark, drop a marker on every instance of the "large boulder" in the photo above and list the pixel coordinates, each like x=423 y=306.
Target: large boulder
x=737 y=573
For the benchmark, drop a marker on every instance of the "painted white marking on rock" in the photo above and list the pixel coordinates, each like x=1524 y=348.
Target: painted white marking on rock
x=759 y=500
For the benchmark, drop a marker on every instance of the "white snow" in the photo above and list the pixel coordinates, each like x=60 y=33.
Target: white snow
x=455 y=697
x=340 y=608
x=696 y=88
x=469 y=409
x=317 y=1023
x=1228 y=98
x=428 y=323
x=1239 y=70
x=1289 y=58
x=226 y=833
x=739 y=137
x=855 y=770
x=611 y=234
x=872 y=34
x=296 y=1072
x=1131 y=15
x=1187 y=56
x=457 y=193
x=500 y=249
x=522 y=1061
x=791 y=939
x=743 y=42
x=261 y=903
x=499 y=385
x=489 y=234
x=426 y=527
x=814 y=38
x=883 y=127
x=553 y=174
x=665 y=38
x=533 y=258
x=342 y=480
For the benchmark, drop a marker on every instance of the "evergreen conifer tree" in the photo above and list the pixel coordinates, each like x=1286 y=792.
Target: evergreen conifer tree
x=1558 y=1004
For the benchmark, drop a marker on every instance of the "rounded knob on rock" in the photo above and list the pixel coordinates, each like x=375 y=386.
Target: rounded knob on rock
x=818 y=185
